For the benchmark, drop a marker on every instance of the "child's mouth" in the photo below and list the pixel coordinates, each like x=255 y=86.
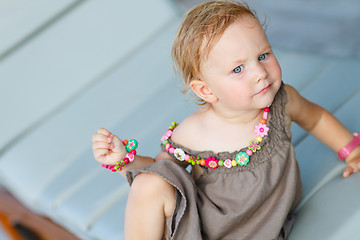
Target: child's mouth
x=264 y=90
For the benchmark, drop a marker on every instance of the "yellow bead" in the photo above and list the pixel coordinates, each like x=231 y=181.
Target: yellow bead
x=259 y=139
x=233 y=163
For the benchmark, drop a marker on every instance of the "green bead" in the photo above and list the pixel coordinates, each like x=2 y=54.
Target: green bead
x=131 y=145
x=221 y=163
x=165 y=142
x=173 y=124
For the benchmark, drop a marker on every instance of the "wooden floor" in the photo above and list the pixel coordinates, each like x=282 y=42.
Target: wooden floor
x=20 y=223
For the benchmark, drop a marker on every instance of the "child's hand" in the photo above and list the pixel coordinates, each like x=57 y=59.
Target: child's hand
x=353 y=166
x=107 y=148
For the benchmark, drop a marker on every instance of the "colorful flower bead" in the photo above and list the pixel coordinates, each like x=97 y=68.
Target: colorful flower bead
x=242 y=158
x=212 y=162
x=130 y=156
x=131 y=144
x=179 y=154
x=227 y=163
x=119 y=165
x=261 y=130
x=192 y=159
x=254 y=146
x=173 y=125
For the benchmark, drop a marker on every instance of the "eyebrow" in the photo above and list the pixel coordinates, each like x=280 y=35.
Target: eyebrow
x=237 y=62
x=263 y=50
x=266 y=48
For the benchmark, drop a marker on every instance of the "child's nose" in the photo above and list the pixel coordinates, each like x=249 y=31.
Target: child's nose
x=260 y=72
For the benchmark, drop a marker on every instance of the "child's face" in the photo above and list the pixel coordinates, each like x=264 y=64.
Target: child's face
x=241 y=70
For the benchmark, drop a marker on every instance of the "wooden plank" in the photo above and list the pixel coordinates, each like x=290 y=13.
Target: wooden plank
x=128 y=90
x=62 y=61
x=21 y=19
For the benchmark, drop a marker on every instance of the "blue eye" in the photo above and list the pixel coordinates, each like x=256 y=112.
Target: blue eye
x=262 y=57
x=238 y=69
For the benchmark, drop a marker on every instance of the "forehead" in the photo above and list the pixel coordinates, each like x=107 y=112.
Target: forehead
x=246 y=30
x=242 y=29
x=243 y=38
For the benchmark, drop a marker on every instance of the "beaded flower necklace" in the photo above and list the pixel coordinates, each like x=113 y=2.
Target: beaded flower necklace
x=241 y=158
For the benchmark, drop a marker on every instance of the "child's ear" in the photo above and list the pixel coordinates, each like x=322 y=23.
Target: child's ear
x=200 y=88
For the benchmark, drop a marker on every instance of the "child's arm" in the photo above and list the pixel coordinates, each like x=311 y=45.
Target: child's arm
x=323 y=125
x=108 y=149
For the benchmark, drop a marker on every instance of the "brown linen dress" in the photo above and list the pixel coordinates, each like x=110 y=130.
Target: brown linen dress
x=243 y=202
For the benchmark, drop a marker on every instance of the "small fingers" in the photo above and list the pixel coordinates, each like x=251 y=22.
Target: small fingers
x=103 y=131
x=100 y=154
x=348 y=171
x=99 y=137
x=352 y=167
x=118 y=145
x=102 y=145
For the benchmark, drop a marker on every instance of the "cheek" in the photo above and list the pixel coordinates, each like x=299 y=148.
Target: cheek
x=275 y=70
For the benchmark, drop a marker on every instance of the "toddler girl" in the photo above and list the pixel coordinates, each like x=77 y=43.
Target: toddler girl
x=245 y=180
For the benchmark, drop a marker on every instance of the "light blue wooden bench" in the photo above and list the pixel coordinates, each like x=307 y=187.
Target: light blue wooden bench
x=90 y=64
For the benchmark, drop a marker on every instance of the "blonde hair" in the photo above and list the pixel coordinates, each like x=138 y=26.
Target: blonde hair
x=200 y=30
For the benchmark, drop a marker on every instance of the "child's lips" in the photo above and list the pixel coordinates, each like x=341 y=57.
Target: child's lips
x=264 y=90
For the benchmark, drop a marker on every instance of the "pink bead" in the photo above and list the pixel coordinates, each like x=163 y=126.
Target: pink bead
x=167 y=146
x=267 y=109
x=171 y=150
x=265 y=115
x=186 y=157
x=130 y=156
x=126 y=160
x=249 y=152
x=133 y=151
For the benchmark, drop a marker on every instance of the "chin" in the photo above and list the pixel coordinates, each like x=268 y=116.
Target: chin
x=269 y=97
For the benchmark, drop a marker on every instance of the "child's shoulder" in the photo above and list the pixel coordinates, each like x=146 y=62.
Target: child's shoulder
x=189 y=131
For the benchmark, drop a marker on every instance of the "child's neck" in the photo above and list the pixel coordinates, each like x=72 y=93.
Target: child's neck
x=235 y=117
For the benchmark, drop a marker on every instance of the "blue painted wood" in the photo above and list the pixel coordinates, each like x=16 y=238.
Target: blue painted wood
x=74 y=53
x=20 y=20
